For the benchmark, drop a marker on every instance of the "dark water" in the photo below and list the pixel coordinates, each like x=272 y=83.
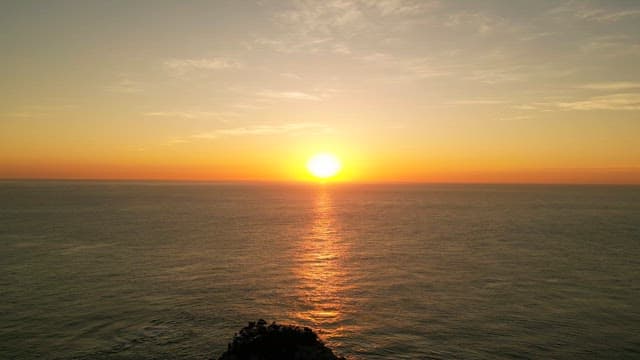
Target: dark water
x=171 y=271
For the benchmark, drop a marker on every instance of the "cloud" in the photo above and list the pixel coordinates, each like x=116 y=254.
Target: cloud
x=23 y=115
x=303 y=43
x=513 y=117
x=324 y=26
x=532 y=35
x=38 y=111
x=247 y=106
x=491 y=68
x=182 y=66
x=322 y=17
x=546 y=104
x=612 y=46
x=616 y=85
x=291 y=76
x=402 y=7
x=262 y=130
x=628 y=101
x=192 y=114
x=479 y=22
x=497 y=75
x=602 y=15
x=527 y=106
x=584 y=11
x=289 y=95
x=477 y=102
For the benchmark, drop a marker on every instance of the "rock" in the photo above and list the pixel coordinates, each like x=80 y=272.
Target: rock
x=257 y=341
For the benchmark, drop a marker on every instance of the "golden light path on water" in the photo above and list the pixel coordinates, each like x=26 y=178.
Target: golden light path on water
x=321 y=272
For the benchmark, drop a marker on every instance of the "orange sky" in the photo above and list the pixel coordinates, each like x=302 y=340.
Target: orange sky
x=401 y=91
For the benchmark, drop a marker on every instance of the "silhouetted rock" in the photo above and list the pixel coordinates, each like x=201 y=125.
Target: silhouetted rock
x=259 y=341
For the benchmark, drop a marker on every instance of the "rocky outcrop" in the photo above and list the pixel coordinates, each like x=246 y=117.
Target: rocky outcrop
x=259 y=341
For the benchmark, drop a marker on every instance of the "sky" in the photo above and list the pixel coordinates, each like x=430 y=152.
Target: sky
x=399 y=90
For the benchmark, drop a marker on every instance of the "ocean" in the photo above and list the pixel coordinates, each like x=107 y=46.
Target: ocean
x=160 y=270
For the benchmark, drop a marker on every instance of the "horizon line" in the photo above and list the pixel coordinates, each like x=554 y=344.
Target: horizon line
x=300 y=182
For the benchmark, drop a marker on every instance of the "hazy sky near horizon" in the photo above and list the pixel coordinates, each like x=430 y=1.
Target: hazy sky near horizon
x=514 y=91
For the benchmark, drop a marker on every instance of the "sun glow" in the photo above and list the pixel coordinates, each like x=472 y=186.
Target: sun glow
x=324 y=166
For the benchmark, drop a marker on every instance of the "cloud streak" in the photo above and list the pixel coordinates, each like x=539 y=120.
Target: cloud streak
x=584 y=11
x=192 y=114
x=182 y=66
x=262 y=130
x=627 y=101
x=616 y=85
x=289 y=95
x=477 y=102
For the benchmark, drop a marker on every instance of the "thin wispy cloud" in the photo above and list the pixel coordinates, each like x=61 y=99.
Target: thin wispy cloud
x=497 y=75
x=477 y=102
x=291 y=76
x=514 y=117
x=480 y=22
x=23 y=115
x=585 y=11
x=193 y=114
x=402 y=7
x=616 y=85
x=327 y=26
x=39 y=111
x=183 y=66
x=322 y=17
x=262 y=130
x=288 y=95
x=627 y=101
x=544 y=105
x=302 y=43
x=612 y=46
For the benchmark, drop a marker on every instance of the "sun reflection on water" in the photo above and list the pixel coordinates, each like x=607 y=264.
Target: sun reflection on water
x=321 y=272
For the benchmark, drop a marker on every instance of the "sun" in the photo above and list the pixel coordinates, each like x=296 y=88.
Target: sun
x=324 y=165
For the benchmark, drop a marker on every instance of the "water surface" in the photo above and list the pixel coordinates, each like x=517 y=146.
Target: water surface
x=96 y=270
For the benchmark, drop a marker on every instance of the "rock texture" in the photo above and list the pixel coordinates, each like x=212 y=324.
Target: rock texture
x=259 y=341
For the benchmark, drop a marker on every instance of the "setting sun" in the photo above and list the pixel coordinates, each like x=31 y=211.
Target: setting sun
x=324 y=165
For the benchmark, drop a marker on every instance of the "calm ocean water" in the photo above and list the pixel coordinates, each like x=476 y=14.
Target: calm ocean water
x=97 y=270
